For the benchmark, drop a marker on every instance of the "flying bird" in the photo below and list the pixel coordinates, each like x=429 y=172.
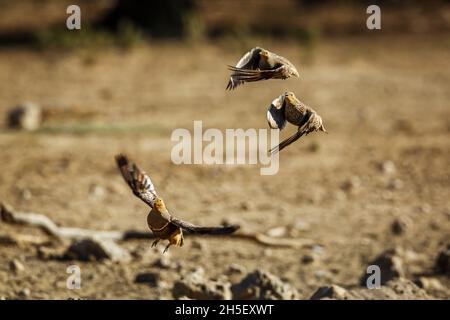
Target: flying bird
x=287 y=108
x=260 y=64
x=160 y=221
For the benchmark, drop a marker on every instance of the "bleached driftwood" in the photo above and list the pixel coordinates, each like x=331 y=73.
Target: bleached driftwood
x=9 y=215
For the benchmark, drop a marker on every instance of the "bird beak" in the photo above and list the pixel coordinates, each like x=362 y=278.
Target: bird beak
x=322 y=128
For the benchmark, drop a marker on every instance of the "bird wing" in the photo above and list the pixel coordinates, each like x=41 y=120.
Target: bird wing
x=248 y=75
x=286 y=142
x=276 y=113
x=191 y=228
x=303 y=130
x=139 y=182
x=250 y=60
x=282 y=61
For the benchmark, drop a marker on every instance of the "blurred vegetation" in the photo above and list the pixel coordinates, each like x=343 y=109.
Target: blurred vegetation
x=128 y=22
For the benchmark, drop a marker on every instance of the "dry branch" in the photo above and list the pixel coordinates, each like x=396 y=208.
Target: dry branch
x=10 y=216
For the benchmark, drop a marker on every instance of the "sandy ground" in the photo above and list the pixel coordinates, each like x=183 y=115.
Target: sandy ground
x=382 y=99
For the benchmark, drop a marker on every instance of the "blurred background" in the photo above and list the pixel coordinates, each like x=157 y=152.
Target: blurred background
x=376 y=187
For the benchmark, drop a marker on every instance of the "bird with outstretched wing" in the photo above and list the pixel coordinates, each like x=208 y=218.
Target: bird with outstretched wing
x=287 y=108
x=160 y=221
x=260 y=64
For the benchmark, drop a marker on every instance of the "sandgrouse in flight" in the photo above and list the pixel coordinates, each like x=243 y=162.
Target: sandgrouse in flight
x=287 y=108
x=160 y=221
x=260 y=64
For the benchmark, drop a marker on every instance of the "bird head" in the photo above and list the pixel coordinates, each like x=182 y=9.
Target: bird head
x=159 y=204
x=317 y=124
x=290 y=97
x=264 y=54
x=294 y=72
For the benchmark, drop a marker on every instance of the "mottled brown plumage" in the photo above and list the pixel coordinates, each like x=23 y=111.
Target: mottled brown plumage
x=159 y=220
x=260 y=64
x=287 y=108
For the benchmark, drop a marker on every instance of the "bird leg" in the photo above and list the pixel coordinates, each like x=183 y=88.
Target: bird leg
x=155 y=243
x=167 y=248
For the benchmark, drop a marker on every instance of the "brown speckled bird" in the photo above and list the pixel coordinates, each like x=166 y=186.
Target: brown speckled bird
x=260 y=64
x=160 y=221
x=287 y=108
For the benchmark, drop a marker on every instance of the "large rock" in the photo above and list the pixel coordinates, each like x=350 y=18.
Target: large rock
x=27 y=116
x=443 y=261
x=196 y=286
x=398 y=289
x=390 y=264
x=262 y=285
x=92 y=249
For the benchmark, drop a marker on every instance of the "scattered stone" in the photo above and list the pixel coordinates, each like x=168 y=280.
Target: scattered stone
x=151 y=278
x=351 y=185
x=307 y=259
x=26 y=194
x=390 y=264
x=24 y=293
x=396 y=184
x=388 y=167
x=16 y=266
x=400 y=225
x=245 y=206
x=165 y=263
x=320 y=274
x=443 y=261
x=262 y=285
x=198 y=245
x=49 y=253
x=331 y=292
x=424 y=208
x=277 y=232
x=195 y=286
x=397 y=289
x=235 y=268
x=26 y=116
x=318 y=249
x=429 y=284
x=97 y=191
x=92 y=249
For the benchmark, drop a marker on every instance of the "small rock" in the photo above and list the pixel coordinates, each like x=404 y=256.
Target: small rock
x=390 y=264
x=429 y=284
x=424 y=208
x=198 y=245
x=164 y=263
x=245 y=206
x=27 y=116
x=26 y=194
x=320 y=274
x=388 y=167
x=317 y=249
x=307 y=259
x=277 y=232
x=96 y=249
x=397 y=289
x=24 y=293
x=16 y=266
x=151 y=278
x=351 y=185
x=443 y=261
x=235 y=268
x=330 y=292
x=97 y=191
x=396 y=184
x=262 y=285
x=400 y=225
x=195 y=286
